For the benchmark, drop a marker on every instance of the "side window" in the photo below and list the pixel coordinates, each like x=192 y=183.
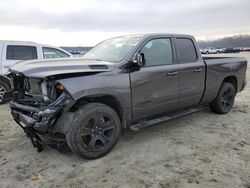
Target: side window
x=186 y=50
x=158 y=52
x=50 y=53
x=16 y=52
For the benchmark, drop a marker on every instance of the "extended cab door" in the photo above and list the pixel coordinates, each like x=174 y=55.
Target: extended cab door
x=155 y=86
x=13 y=53
x=192 y=72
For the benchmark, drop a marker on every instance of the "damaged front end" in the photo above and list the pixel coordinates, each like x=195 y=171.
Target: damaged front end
x=37 y=105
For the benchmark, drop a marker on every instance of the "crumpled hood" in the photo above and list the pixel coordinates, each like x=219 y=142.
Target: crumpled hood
x=45 y=68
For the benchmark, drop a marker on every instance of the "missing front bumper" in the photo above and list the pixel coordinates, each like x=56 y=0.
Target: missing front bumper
x=34 y=121
x=36 y=118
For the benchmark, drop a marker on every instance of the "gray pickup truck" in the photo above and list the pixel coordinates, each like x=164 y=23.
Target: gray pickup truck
x=125 y=82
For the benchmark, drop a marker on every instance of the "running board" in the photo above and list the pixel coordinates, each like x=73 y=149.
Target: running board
x=147 y=123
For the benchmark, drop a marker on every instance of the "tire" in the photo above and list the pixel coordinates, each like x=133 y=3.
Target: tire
x=3 y=88
x=224 y=101
x=95 y=131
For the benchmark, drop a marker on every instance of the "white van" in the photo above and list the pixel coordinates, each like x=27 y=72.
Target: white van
x=12 y=52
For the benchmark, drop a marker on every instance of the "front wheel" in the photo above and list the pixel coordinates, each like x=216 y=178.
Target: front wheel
x=3 y=88
x=95 y=131
x=224 y=101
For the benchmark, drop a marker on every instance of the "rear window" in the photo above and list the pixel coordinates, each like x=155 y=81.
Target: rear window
x=16 y=52
x=186 y=50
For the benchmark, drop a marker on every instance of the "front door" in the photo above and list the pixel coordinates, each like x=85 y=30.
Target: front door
x=155 y=86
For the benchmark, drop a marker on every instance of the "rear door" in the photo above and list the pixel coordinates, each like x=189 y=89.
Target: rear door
x=192 y=72
x=155 y=86
x=12 y=53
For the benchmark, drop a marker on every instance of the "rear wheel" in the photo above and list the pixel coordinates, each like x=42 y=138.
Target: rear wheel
x=3 y=88
x=224 y=101
x=95 y=132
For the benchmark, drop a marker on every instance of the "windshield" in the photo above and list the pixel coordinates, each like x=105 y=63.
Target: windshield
x=114 y=50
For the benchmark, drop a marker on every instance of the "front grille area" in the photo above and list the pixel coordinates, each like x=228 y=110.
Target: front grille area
x=35 y=91
x=24 y=85
x=33 y=87
x=18 y=83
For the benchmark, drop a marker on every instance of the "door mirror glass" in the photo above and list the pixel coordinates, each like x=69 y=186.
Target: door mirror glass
x=139 y=59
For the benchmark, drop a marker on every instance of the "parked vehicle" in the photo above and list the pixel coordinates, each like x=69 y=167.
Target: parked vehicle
x=232 y=50
x=75 y=52
x=202 y=51
x=124 y=82
x=211 y=50
x=236 y=50
x=221 y=50
x=13 y=51
x=242 y=49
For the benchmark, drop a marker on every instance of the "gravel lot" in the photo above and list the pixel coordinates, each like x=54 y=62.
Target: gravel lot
x=200 y=150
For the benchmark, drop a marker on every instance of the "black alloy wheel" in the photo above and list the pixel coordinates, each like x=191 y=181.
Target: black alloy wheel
x=224 y=100
x=98 y=132
x=227 y=99
x=95 y=130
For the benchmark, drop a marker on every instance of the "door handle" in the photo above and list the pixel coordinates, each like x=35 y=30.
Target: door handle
x=172 y=73
x=198 y=70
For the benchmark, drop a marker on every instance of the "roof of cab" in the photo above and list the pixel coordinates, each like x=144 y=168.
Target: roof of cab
x=157 y=34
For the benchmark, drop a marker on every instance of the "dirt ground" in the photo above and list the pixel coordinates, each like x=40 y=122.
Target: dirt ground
x=199 y=150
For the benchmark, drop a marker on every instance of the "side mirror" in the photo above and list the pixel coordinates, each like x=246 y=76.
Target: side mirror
x=139 y=59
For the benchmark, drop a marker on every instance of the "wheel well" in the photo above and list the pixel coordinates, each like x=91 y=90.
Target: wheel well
x=105 y=99
x=232 y=80
x=5 y=80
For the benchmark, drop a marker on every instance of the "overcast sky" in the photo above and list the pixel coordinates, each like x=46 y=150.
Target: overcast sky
x=87 y=22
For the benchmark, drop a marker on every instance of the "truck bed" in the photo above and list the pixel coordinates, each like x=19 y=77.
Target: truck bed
x=219 y=68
